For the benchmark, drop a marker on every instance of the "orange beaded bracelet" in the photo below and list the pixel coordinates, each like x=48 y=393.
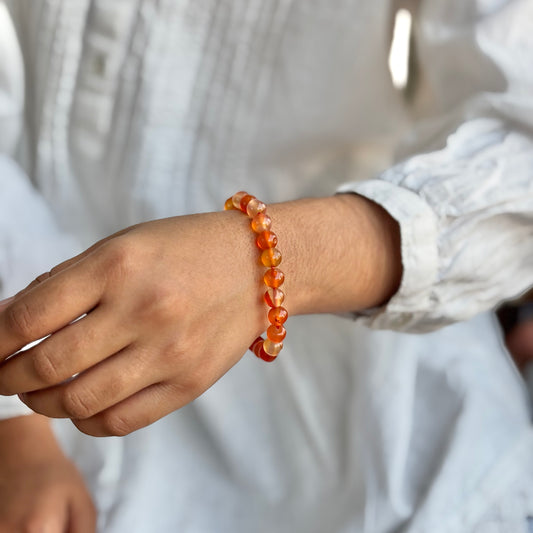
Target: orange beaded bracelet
x=269 y=348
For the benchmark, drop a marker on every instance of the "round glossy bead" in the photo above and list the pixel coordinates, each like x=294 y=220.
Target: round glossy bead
x=257 y=346
x=274 y=278
x=255 y=207
x=265 y=356
x=271 y=257
x=274 y=297
x=277 y=316
x=237 y=197
x=244 y=202
x=261 y=222
x=272 y=348
x=276 y=333
x=229 y=204
x=266 y=239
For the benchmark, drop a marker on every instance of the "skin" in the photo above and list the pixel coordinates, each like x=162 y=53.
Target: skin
x=171 y=305
x=41 y=490
x=168 y=308
x=520 y=344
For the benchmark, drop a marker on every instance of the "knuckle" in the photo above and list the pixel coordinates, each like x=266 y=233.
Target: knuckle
x=46 y=367
x=169 y=357
x=193 y=386
x=121 y=257
x=165 y=306
x=187 y=388
x=159 y=307
x=34 y=524
x=76 y=404
x=116 y=425
x=20 y=320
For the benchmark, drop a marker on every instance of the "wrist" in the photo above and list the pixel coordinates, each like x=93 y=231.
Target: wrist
x=340 y=253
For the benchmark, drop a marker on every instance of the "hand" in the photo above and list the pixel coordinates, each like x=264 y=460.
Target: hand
x=169 y=306
x=40 y=489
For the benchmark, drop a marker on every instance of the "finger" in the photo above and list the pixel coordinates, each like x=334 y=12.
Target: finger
x=136 y=412
x=49 y=306
x=67 y=352
x=82 y=516
x=49 y=513
x=112 y=381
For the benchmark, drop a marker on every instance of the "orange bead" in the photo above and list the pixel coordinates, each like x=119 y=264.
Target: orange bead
x=274 y=297
x=261 y=222
x=244 y=202
x=276 y=333
x=266 y=239
x=271 y=257
x=265 y=356
x=269 y=348
x=278 y=315
x=272 y=348
x=257 y=346
x=255 y=207
x=274 y=278
x=237 y=197
x=229 y=204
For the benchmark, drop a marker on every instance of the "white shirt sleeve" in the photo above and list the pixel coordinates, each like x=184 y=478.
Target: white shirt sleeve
x=465 y=210
x=30 y=240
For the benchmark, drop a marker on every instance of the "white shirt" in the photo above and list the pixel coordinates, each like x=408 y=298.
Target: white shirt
x=140 y=110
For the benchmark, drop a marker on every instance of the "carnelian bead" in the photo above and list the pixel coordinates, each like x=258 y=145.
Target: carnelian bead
x=244 y=202
x=277 y=316
x=257 y=346
x=265 y=356
x=261 y=222
x=271 y=257
x=276 y=333
x=274 y=278
x=236 y=199
x=274 y=297
x=272 y=348
x=255 y=207
x=229 y=204
x=266 y=239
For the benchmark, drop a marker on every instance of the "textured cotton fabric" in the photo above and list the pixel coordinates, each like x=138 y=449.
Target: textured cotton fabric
x=135 y=110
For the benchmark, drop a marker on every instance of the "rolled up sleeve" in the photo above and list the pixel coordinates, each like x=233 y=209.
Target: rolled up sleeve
x=465 y=210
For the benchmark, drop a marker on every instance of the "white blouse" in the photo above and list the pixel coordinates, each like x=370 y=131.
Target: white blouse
x=113 y=112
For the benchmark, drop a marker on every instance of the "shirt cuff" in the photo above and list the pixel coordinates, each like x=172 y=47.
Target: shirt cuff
x=419 y=234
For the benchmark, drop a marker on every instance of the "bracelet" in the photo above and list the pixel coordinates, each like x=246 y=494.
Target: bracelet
x=269 y=348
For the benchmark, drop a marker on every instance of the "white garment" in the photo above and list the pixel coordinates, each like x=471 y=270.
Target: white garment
x=136 y=110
